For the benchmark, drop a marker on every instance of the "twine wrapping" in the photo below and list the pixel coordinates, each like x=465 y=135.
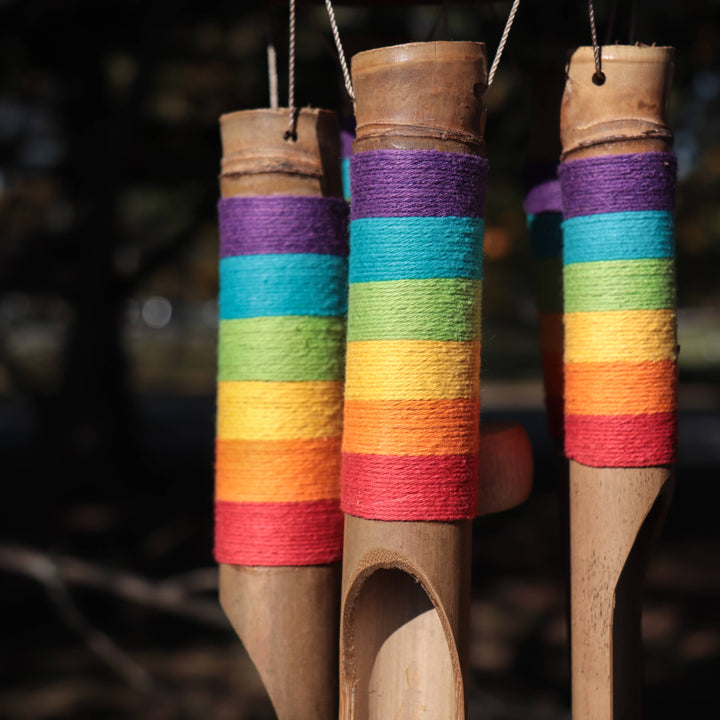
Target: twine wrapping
x=283 y=290
x=411 y=428
x=620 y=310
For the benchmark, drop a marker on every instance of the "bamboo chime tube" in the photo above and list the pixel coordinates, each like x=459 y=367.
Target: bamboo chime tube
x=616 y=507
x=406 y=582
x=286 y=615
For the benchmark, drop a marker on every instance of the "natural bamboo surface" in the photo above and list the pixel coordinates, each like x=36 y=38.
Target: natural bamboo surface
x=286 y=617
x=615 y=513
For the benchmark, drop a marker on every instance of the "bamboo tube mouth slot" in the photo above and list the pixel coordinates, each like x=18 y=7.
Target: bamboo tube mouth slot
x=258 y=160
x=405 y=600
x=417 y=95
x=404 y=652
x=627 y=112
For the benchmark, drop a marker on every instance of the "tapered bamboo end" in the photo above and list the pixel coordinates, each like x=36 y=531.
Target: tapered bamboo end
x=287 y=618
x=616 y=515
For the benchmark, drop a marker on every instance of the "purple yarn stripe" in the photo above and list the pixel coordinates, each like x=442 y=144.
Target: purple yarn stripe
x=544 y=197
x=417 y=183
x=277 y=224
x=618 y=183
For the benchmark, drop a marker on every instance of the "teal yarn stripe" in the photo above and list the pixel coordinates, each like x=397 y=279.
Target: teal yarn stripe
x=283 y=284
x=434 y=309
x=592 y=238
x=546 y=237
x=415 y=248
x=548 y=285
x=620 y=285
x=282 y=349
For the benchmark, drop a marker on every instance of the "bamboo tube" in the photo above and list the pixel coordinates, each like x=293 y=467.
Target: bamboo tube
x=406 y=585
x=286 y=617
x=615 y=513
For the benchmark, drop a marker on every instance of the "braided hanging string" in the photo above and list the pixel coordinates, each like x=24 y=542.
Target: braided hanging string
x=620 y=310
x=412 y=402
x=543 y=206
x=503 y=41
x=283 y=294
x=599 y=76
x=291 y=133
x=341 y=53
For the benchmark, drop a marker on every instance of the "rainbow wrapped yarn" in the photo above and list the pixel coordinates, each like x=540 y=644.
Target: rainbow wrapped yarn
x=283 y=295
x=412 y=400
x=620 y=310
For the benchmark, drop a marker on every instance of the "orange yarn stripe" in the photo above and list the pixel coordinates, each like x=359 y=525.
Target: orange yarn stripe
x=277 y=470
x=637 y=388
x=421 y=427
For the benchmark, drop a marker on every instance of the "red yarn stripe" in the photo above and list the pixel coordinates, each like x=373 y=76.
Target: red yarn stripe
x=410 y=487
x=622 y=440
x=272 y=534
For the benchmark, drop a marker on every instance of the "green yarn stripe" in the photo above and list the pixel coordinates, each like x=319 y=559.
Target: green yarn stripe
x=290 y=348
x=644 y=284
x=431 y=309
x=549 y=285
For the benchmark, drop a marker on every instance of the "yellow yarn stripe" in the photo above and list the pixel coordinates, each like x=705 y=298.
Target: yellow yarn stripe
x=412 y=370
x=625 y=335
x=279 y=410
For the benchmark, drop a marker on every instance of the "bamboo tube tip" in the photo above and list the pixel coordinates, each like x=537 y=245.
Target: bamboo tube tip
x=638 y=53
x=421 y=96
x=624 y=111
x=439 y=50
x=259 y=158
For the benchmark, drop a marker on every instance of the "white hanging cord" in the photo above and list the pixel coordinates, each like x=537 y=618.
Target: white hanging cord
x=503 y=41
x=598 y=77
x=291 y=133
x=341 y=53
x=273 y=76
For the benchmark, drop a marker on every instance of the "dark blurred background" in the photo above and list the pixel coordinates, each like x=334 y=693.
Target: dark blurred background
x=109 y=154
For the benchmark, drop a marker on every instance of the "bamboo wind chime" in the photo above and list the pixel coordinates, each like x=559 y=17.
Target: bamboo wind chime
x=283 y=277
x=618 y=187
x=411 y=438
